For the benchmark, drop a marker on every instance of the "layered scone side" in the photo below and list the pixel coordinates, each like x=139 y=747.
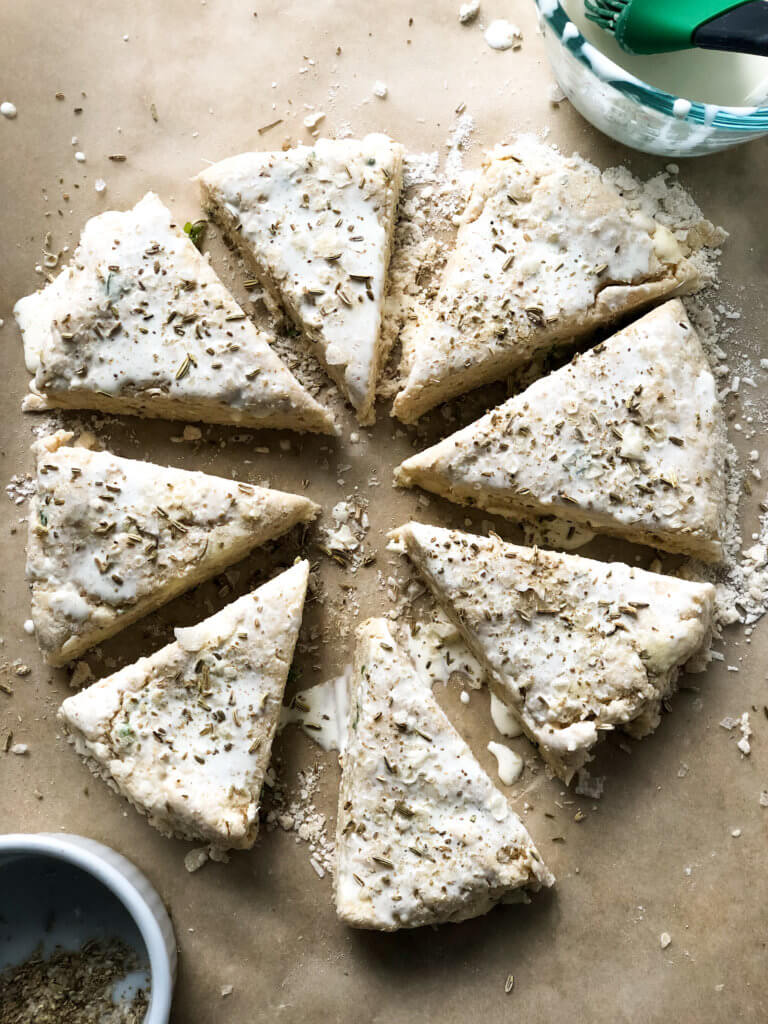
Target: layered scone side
x=629 y=439
x=547 y=251
x=423 y=835
x=315 y=224
x=186 y=734
x=111 y=539
x=575 y=647
x=139 y=323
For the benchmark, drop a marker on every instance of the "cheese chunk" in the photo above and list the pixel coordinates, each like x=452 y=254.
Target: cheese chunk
x=573 y=646
x=316 y=224
x=186 y=734
x=628 y=439
x=140 y=323
x=423 y=836
x=547 y=251
x=112 y=539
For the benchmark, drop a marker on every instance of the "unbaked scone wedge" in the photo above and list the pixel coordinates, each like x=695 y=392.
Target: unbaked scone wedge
x=186 y=734
x=573 y=646
x=139 y=323
x=629 y=439
x=315 y=223
x=547 y=251
x=423 y=835
x=112 y=539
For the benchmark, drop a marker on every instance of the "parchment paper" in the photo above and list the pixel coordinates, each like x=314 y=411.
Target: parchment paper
x=656 y=853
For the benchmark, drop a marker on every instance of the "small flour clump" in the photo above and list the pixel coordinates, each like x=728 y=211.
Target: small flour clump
x=296 y=813
x=503 y=35
x=469 y=11
x=745 y=729
x=20 y=488
x=343 y=541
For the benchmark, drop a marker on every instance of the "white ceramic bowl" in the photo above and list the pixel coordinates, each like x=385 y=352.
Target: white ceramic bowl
x=632 y=111
x=131 y=890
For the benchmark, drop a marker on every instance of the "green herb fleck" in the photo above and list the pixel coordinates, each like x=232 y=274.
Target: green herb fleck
x=196 y=232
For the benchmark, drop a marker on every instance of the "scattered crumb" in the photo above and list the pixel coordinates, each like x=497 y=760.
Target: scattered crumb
x=195 y=859
x=380 y=89
x=589 y=785
x=8 y=109
x=29 y=627
x=469 y=11
x=81 y=674
x=295 y=812
x=503 y=35
x=227 y=990
x=80 y=157
x=313 y=120
x=746 y=731
x=343 y=541
x=665 y=939
x=20 y=749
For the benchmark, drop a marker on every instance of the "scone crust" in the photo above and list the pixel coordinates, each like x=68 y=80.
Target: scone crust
x=111 y=539
x=423 y=835
x=547 y=251
x=575 y=647
x=629 y=439
x=315 y=224
x=186 y=734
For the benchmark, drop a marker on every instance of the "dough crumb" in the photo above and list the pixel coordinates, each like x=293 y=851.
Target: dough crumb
x=469 y=11
x=503 y=35
x=380 y=89
x=81 y=674
x=589 y=785
x=8 y=109
x=195 y=859
x=665 y=939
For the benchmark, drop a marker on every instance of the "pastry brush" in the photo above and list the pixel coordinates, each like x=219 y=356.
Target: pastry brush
x=659 y=26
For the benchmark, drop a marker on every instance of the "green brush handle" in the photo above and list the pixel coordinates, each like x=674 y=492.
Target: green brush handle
x=650 y=26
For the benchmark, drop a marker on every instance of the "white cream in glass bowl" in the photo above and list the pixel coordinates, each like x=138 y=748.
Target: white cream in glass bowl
x=686 y=103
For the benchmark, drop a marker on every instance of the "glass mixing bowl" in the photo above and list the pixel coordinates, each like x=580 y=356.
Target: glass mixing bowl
x=630 y=110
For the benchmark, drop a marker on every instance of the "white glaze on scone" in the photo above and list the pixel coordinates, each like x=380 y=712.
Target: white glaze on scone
x=111 y=539
x=139 y=323
x=316 y=224
x=575 y=647
x=629 y=439
x=423 y=835
x=186 y=734
x=547 y=251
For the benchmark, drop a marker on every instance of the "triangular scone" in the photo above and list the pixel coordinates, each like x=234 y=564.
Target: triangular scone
x=629 y=438
x=186 y=734
x=423 y=835
x=316 y=223
x=547 y=251
x=573 y=646
x=140 y=323
x=111 y=539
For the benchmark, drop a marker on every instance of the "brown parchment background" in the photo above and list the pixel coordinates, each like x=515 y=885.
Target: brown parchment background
x=588 y=951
